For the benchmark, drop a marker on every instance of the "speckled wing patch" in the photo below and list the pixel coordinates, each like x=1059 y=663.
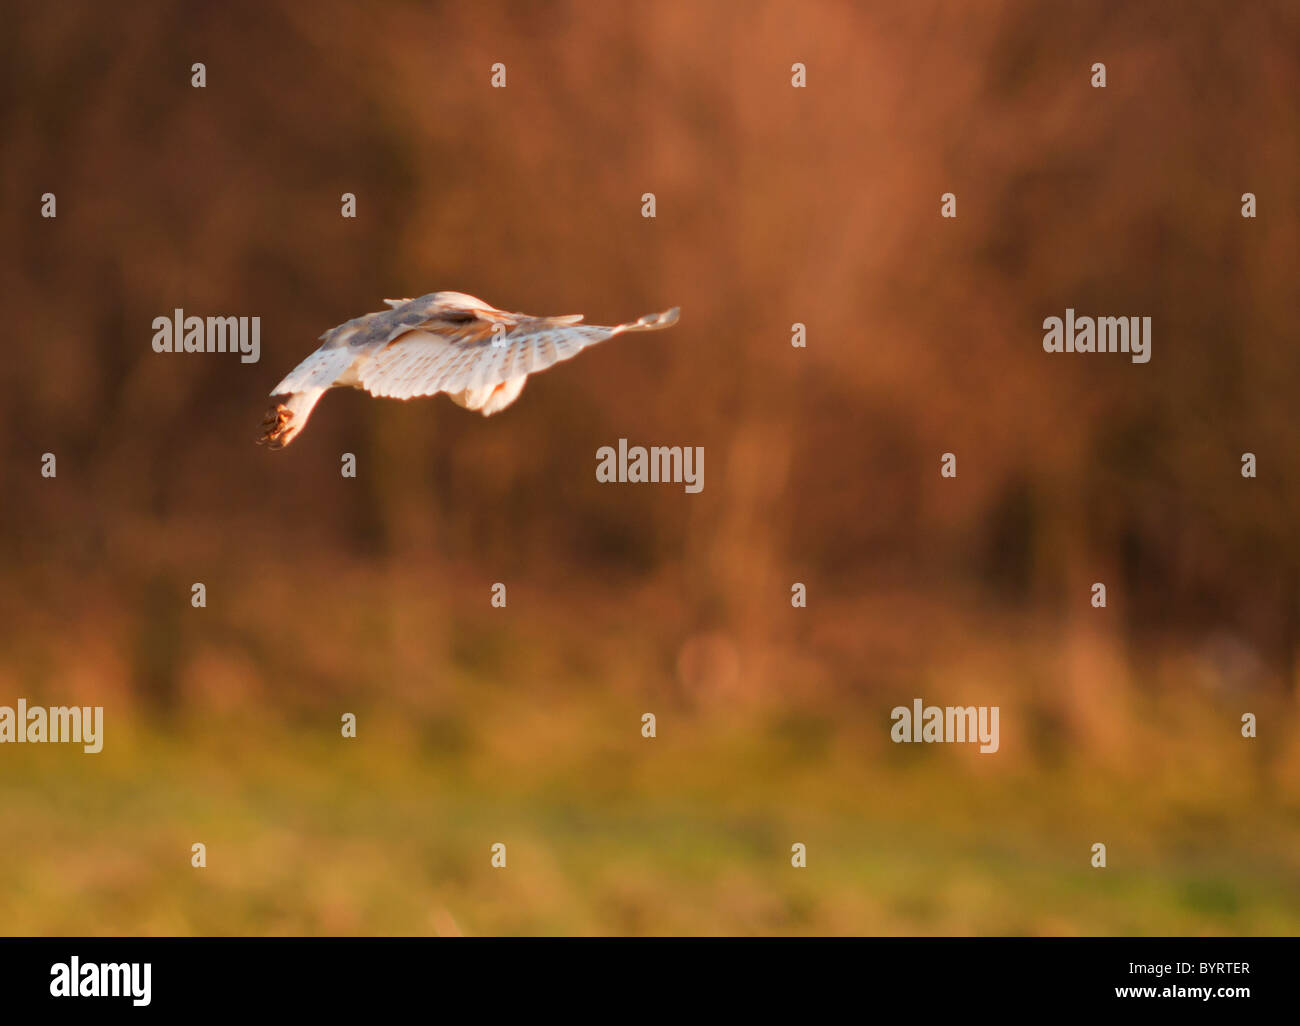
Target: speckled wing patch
x=425 y=363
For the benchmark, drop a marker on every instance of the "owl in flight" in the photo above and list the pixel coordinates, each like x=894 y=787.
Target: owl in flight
x=443 y=342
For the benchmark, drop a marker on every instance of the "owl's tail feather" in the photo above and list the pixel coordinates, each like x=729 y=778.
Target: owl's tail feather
x=285 y=420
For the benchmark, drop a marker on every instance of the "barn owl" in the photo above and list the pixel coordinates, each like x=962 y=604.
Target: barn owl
x=443 y=342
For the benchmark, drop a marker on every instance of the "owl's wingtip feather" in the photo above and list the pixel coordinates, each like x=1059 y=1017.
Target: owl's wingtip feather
x=653 y=322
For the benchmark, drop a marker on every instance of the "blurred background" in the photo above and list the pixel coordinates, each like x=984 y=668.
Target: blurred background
x=521 y=725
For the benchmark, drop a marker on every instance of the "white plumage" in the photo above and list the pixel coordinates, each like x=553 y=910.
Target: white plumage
x=443 y=342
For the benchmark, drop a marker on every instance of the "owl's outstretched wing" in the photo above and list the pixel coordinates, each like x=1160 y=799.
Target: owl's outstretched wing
x=478 y=353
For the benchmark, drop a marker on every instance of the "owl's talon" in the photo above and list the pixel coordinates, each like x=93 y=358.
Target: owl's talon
x=275 y=426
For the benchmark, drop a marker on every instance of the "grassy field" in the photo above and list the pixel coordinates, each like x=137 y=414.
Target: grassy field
x=486 y=731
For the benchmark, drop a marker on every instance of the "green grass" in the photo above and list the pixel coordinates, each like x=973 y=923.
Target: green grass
x=689 y=833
